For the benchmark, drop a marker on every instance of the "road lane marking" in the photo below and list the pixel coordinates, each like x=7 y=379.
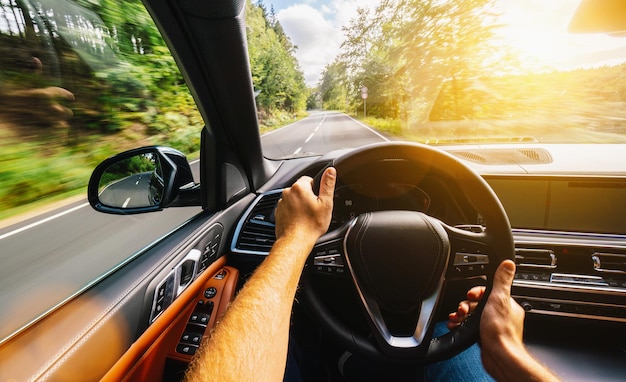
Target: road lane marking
x=126 y=202
x=291 y=124
x=312 y=134
x=35 y=224
x=369 y=128
x=320 y=124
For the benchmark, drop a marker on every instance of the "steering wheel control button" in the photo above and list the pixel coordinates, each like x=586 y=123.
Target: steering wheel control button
x=328 y=260
x=210 y=292
x=471 y=228
x=470 y=263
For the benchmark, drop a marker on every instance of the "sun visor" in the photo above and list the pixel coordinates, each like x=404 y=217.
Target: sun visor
x=599 y=16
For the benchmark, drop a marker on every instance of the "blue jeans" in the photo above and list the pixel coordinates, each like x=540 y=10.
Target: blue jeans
x=466 y=366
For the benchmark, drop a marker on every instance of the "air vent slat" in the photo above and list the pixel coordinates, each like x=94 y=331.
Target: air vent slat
x=257 y=233
x=538 y=258
x=609 y=262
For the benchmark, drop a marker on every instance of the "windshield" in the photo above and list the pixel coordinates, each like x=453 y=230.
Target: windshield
x=440 y=72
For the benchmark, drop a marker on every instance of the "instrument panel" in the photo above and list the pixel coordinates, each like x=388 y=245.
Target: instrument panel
x=355 y=199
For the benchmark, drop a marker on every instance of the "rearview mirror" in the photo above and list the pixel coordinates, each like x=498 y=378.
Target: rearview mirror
x=143 y=180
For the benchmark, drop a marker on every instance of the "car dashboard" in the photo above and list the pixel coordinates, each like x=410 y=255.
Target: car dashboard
x=569 y=263
x=570 y=245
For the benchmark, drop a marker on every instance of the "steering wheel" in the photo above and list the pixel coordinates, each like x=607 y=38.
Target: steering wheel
x=399 y=261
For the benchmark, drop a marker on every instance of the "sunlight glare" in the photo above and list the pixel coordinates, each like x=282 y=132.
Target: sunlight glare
x=543 y=41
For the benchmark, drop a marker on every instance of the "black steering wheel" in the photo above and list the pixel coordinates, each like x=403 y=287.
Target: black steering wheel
x=399 y=261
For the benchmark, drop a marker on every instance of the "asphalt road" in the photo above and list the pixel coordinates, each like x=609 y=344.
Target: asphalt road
x=130 y=192
x=319 y=133
x=54 y=255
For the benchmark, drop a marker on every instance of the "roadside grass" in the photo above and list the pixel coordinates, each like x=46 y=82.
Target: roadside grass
x=278 y=119
x=392 y=127
x=36 y=172
x=564 y=130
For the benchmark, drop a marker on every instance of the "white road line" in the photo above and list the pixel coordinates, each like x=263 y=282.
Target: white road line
x=126 y=202
x=312 y=134
x=35 y=224
x=286 y=126
x=320 y=124
x=370 y=129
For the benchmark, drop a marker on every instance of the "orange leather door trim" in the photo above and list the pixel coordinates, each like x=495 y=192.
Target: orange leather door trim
x=145 y=359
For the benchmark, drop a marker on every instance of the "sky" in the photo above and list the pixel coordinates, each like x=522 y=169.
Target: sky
x=537 y=28
x=314 y=26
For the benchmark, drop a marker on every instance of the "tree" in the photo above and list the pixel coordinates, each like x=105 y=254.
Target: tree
x=275 y=71
x=332 y=87
x=404 y=50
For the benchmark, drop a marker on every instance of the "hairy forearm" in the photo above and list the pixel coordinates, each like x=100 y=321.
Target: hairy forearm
x=251 y=341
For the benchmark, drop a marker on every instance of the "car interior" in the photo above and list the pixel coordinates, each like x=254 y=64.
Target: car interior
x=548 y=207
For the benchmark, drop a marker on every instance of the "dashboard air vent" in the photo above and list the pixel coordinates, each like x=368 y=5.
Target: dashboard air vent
x=256 y=232
x=609 y=262
x=536 y=258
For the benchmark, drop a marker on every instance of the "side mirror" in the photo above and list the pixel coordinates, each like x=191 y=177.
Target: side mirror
x=143 y=180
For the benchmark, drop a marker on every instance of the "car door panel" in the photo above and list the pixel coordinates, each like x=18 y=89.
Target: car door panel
x=84 y=337
x=145 y=359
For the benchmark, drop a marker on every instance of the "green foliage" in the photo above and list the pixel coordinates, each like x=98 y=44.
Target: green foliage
x=403 y=50
x=127 y=92
x=26 y=181
x=278 y=119
x=275 y=72
x=388 y=126
x=333 y=88
x=580 y=98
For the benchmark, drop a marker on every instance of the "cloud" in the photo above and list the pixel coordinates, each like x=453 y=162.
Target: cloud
x=317 y=39
x=318 y=31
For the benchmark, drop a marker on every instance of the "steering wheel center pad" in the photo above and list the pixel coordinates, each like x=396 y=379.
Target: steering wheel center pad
x=398 y=257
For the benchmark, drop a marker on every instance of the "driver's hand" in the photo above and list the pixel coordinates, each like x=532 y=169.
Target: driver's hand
x=466 y=307
x=303 y=215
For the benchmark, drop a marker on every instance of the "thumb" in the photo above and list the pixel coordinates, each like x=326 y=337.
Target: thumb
x=327 y=184
x=503 y=277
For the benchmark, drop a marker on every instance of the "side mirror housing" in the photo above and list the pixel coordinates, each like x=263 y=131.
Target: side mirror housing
x=143 y=180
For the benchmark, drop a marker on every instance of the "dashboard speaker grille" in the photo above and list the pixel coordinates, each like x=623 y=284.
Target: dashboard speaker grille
x=505 y=156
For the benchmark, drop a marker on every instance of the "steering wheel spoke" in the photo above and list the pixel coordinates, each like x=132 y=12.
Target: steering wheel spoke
x=328 y=254
x=469 y=255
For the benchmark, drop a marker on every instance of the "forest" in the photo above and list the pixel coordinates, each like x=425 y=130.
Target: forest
x=436 y=72
x=84 y=79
